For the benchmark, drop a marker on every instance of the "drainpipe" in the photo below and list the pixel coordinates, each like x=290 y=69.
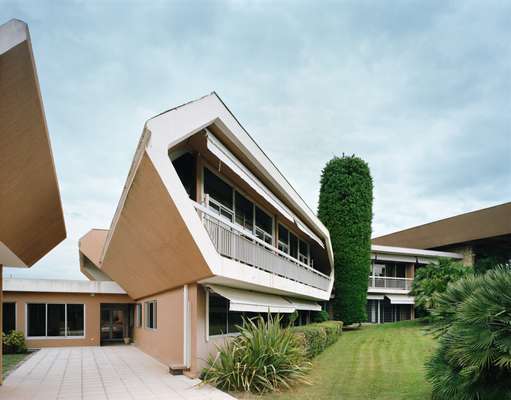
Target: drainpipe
x=186 y=328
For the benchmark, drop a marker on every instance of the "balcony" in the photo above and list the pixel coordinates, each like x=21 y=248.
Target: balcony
x=383 y=282
x=236 y=243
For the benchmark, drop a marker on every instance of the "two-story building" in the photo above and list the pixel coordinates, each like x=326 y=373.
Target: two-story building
x=390 y=281
x=207 y=231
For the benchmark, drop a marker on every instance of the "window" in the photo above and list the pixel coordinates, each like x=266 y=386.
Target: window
x=283 y=239
x=221 y=320
x=55 y=320
x=36 y=319
x=303 y=252
x=264 y=226
x=185 y=168
x=150 y=314
x=293 y=245
x=217 y=189
x=9 y=317
x=75 y=319
x=139 y=315
x=244 y=212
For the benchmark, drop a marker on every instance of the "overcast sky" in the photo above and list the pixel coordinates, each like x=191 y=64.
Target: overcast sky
x=420 y=90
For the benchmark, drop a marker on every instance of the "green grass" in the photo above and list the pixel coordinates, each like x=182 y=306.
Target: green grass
x=383 y=362
x=10 y=361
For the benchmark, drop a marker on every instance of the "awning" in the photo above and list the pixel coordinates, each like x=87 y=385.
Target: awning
x=400 y=299
x=301 y=304
x=245 y=300
x=374 y=297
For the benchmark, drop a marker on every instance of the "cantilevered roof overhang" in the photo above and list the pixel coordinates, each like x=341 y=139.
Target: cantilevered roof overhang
x=32 y=221
x=156 y=240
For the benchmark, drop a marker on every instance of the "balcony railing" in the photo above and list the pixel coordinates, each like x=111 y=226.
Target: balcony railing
x=383 y=282
x=238 y=244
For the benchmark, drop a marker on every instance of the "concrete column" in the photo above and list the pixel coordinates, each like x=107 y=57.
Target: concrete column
x=192 y=299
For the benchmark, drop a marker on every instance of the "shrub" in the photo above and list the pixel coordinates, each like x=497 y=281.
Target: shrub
x=316 y=337
x=14 y=343
x=320 y=316
x=345 y=207
x=473 y=322
x=432 y=280
x=264 y=357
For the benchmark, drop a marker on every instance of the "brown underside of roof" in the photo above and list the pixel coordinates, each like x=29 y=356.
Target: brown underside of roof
x=32 y=222
x=151 y=249
x=475 y=225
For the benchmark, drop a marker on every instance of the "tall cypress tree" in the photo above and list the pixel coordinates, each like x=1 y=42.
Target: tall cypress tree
x=345 y=208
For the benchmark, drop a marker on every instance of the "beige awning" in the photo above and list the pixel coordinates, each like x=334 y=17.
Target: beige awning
x=374 y=297
x=301 y=304
x=249 y=301
x=400 y=299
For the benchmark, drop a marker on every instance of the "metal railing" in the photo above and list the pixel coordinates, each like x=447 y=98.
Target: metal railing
x=234 y=242
x=384 y=282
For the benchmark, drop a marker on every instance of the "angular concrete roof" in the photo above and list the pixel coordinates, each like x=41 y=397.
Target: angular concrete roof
x=32 y=218
x=156 y=240
x=90 y=249
x=476 y=225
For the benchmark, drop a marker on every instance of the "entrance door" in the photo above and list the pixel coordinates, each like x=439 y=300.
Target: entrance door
x=114 y=322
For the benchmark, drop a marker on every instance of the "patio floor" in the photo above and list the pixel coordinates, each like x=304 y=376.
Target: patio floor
x=100 y=373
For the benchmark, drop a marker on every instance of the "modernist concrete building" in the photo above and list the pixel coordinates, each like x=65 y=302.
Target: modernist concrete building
x=32 y=221
x=477 y=234
x=207 y=231
x=390 y=281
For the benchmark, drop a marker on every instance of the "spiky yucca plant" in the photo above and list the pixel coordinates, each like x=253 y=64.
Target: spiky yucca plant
x=473 y=322
x=264 y=357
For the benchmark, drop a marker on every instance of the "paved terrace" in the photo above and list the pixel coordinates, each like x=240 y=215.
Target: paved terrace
x=100 y=373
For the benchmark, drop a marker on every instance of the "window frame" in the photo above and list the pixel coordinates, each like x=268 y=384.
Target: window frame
x=138 y=315
x=228 y=334
x=232 y=211
x=66 y=336
x=146 y=315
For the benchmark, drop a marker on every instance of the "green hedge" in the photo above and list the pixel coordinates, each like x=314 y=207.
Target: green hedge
x=317 y=337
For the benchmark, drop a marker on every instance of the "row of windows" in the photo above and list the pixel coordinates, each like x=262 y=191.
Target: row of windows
x=150 y=314
x=47 y=320
x=392 y=270
x=221 y=321
x=231 y=204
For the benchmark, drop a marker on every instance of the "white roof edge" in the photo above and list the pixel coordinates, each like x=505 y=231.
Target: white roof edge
x=279 y=180
x=413 y=252
x=61 y=286
x=12 y=33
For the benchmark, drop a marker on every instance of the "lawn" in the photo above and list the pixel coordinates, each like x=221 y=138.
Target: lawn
x=383 y=362
x=10 y=361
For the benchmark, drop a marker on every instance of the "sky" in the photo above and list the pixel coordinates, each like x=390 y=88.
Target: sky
x=420 y=90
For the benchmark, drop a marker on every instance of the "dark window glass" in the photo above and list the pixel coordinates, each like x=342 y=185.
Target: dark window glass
x=139 y=315
x=400 y=270
x=235 y=320
x=56 y=320
x=283 y=243
x=264 y=226
x=36 y=319
x=218 y=307
x=303 y=252
x=9 y=317
x=151 y=314
x=185 y=168
x=244 y=210
x=293 y=245
x=75 y=318
x=217 y=189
